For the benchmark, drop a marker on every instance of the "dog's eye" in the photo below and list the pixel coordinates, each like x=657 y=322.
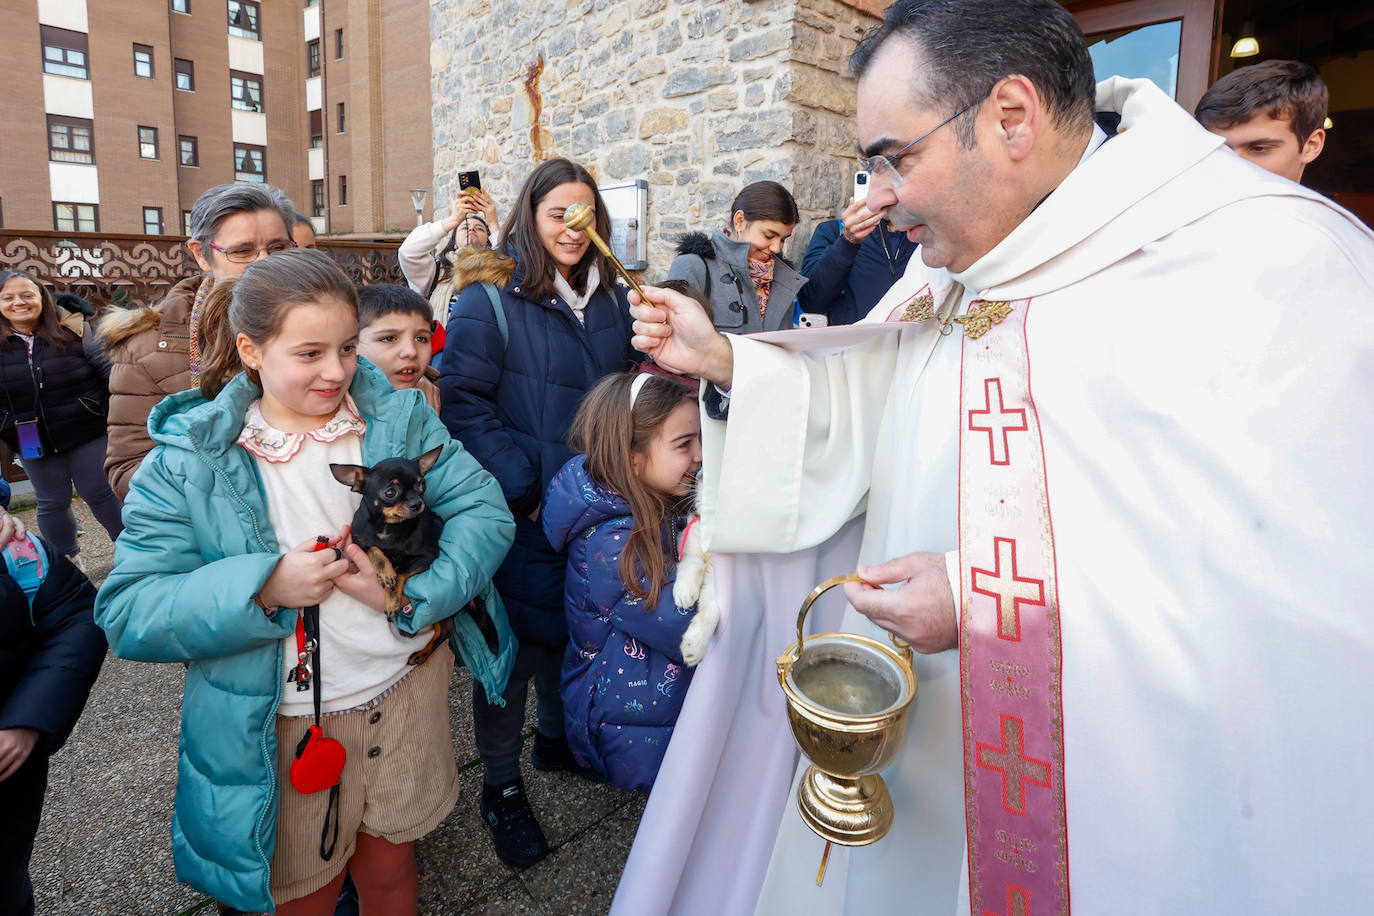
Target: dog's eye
x=389 y=493
x=420 y=487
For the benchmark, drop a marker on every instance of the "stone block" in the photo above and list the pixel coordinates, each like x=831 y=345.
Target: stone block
x=619 y=124
x=724 y=100
x=753 y=130
x=643 y=69
x=761 y=45
x=625 y=160
x=643 y=9
x=691 y=80
x=670 y=38
x=810 y=90
x=657 y=121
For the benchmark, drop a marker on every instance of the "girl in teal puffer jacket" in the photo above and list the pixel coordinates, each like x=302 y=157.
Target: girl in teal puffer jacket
x=216 y=559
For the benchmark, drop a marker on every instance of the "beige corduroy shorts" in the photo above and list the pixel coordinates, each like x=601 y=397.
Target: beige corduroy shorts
x=399 y=779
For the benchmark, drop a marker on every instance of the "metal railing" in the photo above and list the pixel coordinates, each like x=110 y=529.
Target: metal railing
x=128 y=270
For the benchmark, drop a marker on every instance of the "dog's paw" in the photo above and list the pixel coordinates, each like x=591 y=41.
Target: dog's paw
x=698 y=635
x=687 y=587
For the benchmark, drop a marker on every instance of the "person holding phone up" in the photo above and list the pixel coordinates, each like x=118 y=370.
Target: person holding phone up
x=52 y=412
x=852 y=261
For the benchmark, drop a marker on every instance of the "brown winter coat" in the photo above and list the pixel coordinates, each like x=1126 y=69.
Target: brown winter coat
x=150 y=357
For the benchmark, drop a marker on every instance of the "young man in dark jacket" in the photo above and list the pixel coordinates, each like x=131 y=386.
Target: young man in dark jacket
x=50 y=653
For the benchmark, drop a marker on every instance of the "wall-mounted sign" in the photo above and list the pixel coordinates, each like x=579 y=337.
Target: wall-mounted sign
x=628 y=207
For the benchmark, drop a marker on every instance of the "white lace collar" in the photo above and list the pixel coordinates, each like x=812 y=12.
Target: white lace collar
x=271 y=444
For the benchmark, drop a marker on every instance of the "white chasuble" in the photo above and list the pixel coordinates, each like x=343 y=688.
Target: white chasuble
x=1199 y=348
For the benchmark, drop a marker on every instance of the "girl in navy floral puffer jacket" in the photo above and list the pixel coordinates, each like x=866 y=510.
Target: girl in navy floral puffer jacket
x=615 y=508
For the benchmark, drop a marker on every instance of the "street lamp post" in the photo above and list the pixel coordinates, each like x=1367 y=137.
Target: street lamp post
x=417 y=197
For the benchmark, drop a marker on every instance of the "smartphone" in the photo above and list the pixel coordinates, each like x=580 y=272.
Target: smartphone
x=30 y=446
x=469 y=181
x=860 y=185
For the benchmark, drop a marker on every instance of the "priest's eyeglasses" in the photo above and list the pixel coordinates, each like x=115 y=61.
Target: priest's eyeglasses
x=247 y=254
x=885 y=167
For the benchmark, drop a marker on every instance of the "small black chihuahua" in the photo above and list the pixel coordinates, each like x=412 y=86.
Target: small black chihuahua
x=401 y=535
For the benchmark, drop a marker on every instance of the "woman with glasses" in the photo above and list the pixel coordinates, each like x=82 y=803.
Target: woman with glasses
x=52 y=407
x=741 y=269
x=155 y=351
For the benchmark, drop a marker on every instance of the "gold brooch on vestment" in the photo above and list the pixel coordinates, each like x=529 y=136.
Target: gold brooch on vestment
x=977 y=321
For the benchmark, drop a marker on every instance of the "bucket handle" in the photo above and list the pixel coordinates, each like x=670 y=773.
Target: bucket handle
x=902 y=645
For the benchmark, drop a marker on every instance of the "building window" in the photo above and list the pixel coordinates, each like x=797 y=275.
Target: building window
x=65 y=52
x=186 y=222
x=143 y=61
x=312 y=58
x=245 y=90
x=249 y=163
x=188 y=151
x=343 y=190
x=181 y=6
x=70 y=140
x=186 y=74
x=341 y=117
x=243 y=19
x=75 y=217
x=317 y=198
x=317 y=128
x=338 y=44
x=147 y=143
x=152 y=220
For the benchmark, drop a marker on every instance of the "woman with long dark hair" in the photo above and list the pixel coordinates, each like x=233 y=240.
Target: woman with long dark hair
x=538 y=325
x=741 y=269
x=54 y=406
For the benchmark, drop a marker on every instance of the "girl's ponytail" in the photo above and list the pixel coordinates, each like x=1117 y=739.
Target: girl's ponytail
x=219 y=356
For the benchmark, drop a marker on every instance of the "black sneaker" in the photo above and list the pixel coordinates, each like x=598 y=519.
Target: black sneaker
x=553 y=754
x=514 y=832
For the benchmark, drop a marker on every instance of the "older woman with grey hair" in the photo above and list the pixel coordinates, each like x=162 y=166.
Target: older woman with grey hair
x=155 y=351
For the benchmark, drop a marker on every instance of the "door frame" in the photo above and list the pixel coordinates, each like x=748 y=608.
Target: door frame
x=1198 y=47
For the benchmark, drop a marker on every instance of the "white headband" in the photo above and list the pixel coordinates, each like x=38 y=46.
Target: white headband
x=640 y=381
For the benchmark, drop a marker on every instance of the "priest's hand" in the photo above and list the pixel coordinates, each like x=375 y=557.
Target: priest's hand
x=921 y=610
x=678 y=333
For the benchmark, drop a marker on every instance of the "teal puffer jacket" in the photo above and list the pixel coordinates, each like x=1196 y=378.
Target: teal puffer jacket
x=197 y=545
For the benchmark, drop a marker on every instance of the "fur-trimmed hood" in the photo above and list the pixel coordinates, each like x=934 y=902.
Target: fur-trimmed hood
x=697 y=243
x=118 y=325
x=482 y=265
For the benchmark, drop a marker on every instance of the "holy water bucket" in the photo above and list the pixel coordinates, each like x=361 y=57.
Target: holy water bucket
x=847 y=699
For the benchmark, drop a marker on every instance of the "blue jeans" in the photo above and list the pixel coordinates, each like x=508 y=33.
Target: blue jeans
x=52 y=477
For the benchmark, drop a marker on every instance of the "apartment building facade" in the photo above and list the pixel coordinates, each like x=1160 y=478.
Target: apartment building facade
x=118 y=114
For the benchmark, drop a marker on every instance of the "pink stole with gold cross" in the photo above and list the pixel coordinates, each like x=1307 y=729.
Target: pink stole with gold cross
x=1009 y=647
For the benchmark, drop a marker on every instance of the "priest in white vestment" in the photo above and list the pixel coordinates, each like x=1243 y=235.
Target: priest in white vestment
x=1197 y=345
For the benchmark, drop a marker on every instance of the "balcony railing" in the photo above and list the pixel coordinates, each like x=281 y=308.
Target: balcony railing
x=128 y=270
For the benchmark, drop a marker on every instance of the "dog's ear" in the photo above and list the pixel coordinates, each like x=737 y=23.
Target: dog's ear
x=428 y=458
x=350 y=475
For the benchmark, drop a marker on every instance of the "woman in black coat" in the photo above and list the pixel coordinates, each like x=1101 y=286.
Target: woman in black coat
x=535 y=329
x=53 y=408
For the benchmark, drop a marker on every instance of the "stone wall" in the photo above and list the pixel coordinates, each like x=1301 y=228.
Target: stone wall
x=699 y=97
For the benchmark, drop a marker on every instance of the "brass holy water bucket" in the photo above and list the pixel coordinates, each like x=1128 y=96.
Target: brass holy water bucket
x=847 y=699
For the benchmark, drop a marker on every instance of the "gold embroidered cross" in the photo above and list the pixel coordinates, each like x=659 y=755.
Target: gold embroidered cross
x=977 y=321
